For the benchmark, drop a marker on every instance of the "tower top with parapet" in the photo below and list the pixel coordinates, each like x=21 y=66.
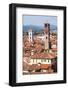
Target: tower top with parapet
x=30 y=30
x=46 y=27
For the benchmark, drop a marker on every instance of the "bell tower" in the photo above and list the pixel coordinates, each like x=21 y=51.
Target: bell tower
x=47 y=35
x=30 y=35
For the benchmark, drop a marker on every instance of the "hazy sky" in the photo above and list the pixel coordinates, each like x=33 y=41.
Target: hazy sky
x=39 y=20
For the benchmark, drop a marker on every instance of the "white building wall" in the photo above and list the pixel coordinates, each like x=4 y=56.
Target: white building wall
x=41 y=37
x=34 y=61
x=42 y=61
x=46 y=61
x=38 y=60
x=54 y=46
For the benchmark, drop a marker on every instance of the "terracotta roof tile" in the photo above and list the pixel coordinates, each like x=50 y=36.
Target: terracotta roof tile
x=54 y=49
x=45 y=66
x=43 y=56
x=27 y=55
x=42 y=66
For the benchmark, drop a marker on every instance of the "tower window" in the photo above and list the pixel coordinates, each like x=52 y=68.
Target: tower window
x=46 y=37
x=45 y=25
x=48 y=60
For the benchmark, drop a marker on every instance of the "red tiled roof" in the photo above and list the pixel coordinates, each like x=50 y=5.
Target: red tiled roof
x=27 y=55
x=54 y=49
x=45 y=66
x=27 y=48
x=43 y=56
x=42 y=66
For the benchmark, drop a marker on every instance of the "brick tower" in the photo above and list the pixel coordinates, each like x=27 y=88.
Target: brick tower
x=47 y=35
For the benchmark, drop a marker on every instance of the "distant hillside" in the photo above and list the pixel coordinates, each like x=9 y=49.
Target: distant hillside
x=38 y=28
